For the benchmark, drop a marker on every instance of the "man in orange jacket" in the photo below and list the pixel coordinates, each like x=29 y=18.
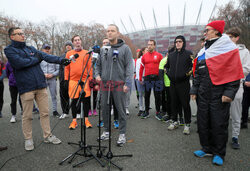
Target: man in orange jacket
x=73 y=73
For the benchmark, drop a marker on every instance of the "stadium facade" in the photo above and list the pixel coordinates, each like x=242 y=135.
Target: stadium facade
x=164 y=36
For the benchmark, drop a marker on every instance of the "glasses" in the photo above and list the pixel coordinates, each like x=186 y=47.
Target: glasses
x=178 y=41
x=19 y=34
x=206 y=30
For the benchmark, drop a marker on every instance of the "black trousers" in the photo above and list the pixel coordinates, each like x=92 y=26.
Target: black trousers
x=180 y=98
x=64 y=96
x=1 y=95
x=245 y=104
x=166 y=100
x=86 y=106
x=115 y=110
x=94 y=99
x=166 y=103
x=152 y=81
x=212 y=122
x=13 y=95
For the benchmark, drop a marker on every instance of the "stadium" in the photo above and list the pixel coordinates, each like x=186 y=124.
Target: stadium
x=164 y=36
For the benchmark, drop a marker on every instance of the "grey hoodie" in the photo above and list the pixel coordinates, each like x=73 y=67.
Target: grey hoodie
x=50 y=68
x=122 y=68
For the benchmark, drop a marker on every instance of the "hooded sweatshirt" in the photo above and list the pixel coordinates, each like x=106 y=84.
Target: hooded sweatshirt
x=179 y=63
x=122 y=67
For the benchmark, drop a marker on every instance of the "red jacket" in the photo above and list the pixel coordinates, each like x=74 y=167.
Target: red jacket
x=150 y=61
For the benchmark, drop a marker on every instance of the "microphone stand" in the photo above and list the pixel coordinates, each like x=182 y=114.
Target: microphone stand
x=82 y=143
x=109 y=156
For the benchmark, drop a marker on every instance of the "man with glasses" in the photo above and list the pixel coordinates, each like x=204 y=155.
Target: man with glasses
x=150 y=66
x=178 y=69
x=31 y=83
x=236 y=105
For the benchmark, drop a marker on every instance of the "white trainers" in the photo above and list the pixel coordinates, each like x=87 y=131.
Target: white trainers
x=64 y=115
x=127 y=111
x=104 y=136
x=186 y=130
x=13 y=119
x=29 y=145
x=173 y=125
x=52 y=139
x=121 y=140
x=78 y=116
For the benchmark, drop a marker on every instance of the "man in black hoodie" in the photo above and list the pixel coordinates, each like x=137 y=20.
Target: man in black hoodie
x=64 y=96
x=178 y=69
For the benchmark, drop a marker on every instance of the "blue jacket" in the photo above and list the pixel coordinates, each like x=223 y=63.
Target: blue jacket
x=27 y=71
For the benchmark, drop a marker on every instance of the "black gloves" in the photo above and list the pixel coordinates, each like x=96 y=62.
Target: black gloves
x=65 y=62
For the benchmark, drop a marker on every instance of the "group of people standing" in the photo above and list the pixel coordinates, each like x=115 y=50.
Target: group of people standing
x=220 y=74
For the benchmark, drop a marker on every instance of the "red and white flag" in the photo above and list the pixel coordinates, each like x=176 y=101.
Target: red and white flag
x=223 y=61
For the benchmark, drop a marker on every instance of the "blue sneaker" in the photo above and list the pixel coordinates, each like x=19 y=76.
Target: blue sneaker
x=200 y=153
x=217 y=160
x=116 y=124
x=101 y=124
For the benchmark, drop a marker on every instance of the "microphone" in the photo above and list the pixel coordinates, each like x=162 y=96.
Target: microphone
x=94 y=57
x=115 y=55
x=106 y=48
x=73 y=57
x=95 y=49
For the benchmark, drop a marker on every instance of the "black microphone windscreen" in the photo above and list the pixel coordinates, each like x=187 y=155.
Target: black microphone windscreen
x=76 y=55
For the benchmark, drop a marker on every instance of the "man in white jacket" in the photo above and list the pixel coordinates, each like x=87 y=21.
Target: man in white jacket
x=236 y=105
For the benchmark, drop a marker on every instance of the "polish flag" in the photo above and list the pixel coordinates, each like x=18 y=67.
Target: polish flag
x=223 y=61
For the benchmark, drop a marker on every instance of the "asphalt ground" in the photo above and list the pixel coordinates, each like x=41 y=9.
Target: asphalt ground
x=152 y=145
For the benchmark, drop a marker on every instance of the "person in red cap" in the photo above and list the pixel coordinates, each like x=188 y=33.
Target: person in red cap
x=217 y=77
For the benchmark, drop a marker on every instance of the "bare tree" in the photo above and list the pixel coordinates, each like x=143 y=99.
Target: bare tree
x=236 y=16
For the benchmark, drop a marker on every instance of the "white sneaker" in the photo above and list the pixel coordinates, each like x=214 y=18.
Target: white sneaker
x=104 y=136
x=121 y=140
x=52 y=139
x=78 y=116
x=13 y=119
x=29 y=145
x=112 y=111
x=186 y=130
x=64 y=115
x=173 y=125
x=127 y=111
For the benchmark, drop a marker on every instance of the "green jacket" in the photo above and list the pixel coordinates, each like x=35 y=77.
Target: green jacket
x=162 y=74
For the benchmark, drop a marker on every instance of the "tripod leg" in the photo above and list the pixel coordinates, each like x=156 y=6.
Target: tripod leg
x=83 y=162
x=71 y=155
x=110 y=162
x=126 y=155
x=71 y=143
x=99 y=161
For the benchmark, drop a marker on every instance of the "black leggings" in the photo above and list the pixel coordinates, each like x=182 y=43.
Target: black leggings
x=86 y=106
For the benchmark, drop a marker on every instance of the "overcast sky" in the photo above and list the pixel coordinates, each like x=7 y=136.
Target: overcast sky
x=110 y=11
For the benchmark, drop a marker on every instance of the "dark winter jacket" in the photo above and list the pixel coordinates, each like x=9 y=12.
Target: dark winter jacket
x=203 y=86
x=179 y=64
x=25 y=60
